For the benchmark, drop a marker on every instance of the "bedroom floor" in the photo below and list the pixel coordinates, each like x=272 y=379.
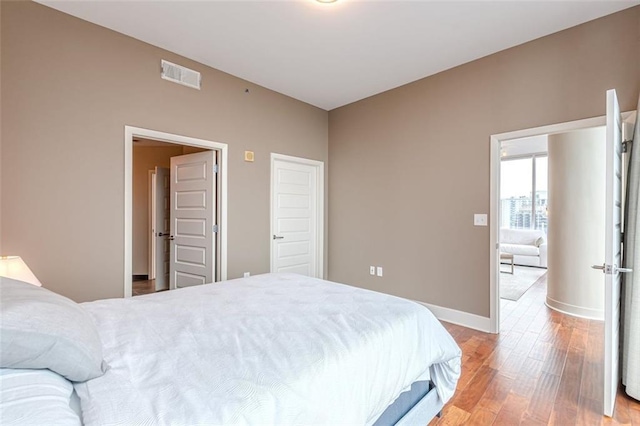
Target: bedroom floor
x=543 y=368
x=143 y=287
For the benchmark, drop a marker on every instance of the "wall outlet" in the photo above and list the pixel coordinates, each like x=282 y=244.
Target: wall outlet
x=247 y=274
x=479 y=219
x=372 y=270
x=379 y=271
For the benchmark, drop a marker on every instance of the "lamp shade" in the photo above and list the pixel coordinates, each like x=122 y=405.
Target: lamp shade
x=14 y=267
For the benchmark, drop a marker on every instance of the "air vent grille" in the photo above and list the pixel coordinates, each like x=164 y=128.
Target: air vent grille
x=181 y=75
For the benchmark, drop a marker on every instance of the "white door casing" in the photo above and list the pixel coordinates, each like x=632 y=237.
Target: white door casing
x=193 y=187
x=492 y=324
x=222 y=151
x=297 y=215
x=161 y=227
x=613 y=252
x=152 y=221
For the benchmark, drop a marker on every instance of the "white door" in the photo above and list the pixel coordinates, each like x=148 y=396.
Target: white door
x=193 y=197
x=161 y=228
x=296 y=215
x=613 y=253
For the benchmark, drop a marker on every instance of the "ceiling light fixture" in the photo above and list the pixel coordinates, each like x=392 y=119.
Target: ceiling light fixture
x=326 y=1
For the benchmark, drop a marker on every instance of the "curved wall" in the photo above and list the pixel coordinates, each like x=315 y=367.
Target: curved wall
x=576 y=222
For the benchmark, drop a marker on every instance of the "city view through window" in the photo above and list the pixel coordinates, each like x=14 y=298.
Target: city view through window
x=523 y=193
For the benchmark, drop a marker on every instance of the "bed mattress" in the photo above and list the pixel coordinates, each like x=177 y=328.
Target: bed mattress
x=269 y=349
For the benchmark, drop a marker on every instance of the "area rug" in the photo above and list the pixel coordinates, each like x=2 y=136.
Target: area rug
x=512 y=287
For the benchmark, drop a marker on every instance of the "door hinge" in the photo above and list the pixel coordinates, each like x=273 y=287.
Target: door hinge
x=215 y=228
x=215 y=168
x=625 y=145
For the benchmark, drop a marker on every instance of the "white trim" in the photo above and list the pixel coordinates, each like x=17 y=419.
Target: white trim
x=464 y=319
x=575 y=311
x=494 y=188
x=319 y=165
x=129 y=133
x=152 y=224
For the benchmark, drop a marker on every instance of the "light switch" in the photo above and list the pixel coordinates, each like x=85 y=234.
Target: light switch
x=379 y=271
x=480 y=219
x=372 y=270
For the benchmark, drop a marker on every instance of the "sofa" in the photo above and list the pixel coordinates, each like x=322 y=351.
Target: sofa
x=528 y=246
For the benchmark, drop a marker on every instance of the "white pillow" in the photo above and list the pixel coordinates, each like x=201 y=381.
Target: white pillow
x=35 y=397
x=41 y=329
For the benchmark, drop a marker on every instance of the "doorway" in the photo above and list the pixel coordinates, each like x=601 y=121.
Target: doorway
x=523 y=216
x=189 y=256
x=497 y=142
x=173 y=234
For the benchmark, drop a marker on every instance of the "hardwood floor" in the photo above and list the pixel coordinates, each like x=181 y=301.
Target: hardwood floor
x=543 y=368
x=143 y=287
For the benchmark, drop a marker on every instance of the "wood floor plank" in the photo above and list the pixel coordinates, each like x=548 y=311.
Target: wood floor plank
x=476 y=388
x=496 y=393
x=589 y=412
x=470 y=366
x=512 y=411
x=543 y=368
x=527 y=380
x=497 y=358
x=634 y=411
x=544 y=396
x=481 y=417
x=510 y=339
x=454 y=417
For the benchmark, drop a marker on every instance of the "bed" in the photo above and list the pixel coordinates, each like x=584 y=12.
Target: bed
x=269 y=349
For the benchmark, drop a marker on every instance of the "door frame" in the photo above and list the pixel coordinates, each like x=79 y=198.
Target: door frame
x=494 y=197
x=129 y=133
x=152 y=219
x=319 y=165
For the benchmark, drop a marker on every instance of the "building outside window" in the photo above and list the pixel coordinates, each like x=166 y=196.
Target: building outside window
x=523 y=192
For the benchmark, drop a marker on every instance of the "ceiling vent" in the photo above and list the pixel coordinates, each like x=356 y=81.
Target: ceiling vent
x=180 y=75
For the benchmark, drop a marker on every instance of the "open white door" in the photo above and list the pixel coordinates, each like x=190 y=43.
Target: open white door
x=193 y=208
x=296 y=215
x=161 y=227
x=613 y=253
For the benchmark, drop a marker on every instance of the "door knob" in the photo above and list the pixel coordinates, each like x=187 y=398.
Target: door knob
x=277 y=237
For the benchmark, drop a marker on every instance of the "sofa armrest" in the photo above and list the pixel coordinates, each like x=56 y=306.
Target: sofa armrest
x=543 y=254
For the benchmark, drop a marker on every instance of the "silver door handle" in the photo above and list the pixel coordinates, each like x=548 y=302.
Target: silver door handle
x=277 y=237
x=608 y=269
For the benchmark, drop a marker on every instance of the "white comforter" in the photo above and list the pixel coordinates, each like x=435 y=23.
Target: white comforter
x=270 y=349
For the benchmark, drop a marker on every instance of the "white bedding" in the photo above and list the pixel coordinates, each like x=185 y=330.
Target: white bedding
x=269 y=349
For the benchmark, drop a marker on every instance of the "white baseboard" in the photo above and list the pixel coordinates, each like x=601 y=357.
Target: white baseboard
x=464 y=319
x=575 y=311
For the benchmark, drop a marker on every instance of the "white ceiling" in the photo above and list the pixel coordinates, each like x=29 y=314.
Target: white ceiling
x=330 y=55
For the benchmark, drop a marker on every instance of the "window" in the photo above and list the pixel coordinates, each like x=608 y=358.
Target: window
x=523 y=193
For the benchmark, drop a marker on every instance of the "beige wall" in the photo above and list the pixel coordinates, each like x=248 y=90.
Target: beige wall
x=410 y=167
x=145 y=158
x=68 y=89
x=576 y=221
